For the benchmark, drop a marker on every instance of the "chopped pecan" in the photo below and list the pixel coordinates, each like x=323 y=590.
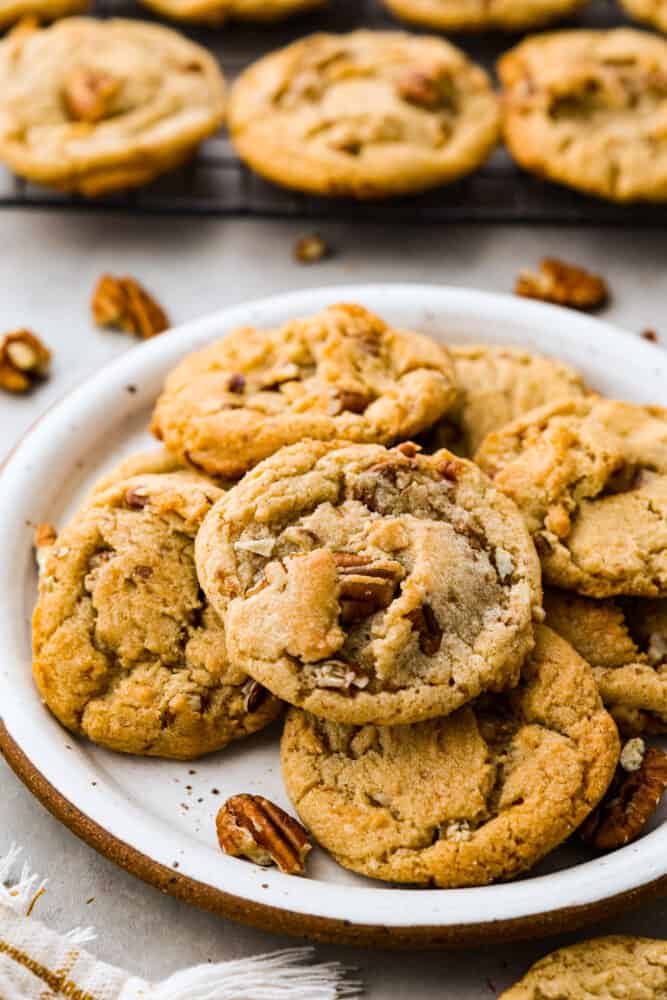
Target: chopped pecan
x=250 y=826
x=44 y=539
x=89 y=94
x=348 y=399
x=24 y=360
x=124 y=304
x=630 y=802
x=137 y=497
x=564 y=284
x=340 y=674
x=254 y=695
x=650 y=335
x=365 y=585
x=450 y=469
x=236 y=383
x=430 y=88
x=425 y=622
x=310 y=249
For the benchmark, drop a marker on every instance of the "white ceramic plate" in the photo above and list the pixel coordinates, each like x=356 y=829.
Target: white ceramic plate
x=157 y=817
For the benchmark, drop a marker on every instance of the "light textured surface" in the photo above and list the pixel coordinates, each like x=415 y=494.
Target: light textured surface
x=195 y=267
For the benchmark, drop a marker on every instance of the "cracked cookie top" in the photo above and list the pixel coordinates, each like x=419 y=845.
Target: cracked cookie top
x=366 y=115
x=590 y=477
x=625 y=641
x=217 y=12
x=371 y=585
x=631 y=967
x=588 y=109
x=96 y=105
x=496 y=385
x=127 y=651
x=466 y=800
x=341 y=374
x=466 y=15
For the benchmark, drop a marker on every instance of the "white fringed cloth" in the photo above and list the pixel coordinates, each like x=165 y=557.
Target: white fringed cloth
x=38 y=964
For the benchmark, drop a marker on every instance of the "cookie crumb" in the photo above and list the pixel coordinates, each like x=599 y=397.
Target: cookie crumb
x=24 y=361
x=563 y=284
x=311 y=249
x=650 y=335
x=124 y=304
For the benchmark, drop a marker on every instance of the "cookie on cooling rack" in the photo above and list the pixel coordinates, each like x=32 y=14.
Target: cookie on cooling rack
x=366 y=115
x=216 y=12
x=588 y=108
x=480 y=15
x=474 y=798
x=126 y=649
x=44 y=10
x=97 y=106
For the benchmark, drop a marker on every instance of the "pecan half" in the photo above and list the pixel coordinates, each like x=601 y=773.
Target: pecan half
x=630 y=802
x=564 y=284
x=425 y=622
x=311 y=249
x=124 y=304
x=89 y=94
x=24 y=360
x=365 y=585
x=252 y=827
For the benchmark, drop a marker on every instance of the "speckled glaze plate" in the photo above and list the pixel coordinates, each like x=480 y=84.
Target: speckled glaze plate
x=156 y=818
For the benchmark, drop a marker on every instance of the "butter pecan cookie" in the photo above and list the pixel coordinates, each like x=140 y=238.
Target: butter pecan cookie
x=341 y=374
x=371 y=585
x=625 y=641
x=217 y=12
x=474 y=798
x=364 y=115
x=496 y=385
x=96 y=106
x=47 y=10
x=588 y=108
x=127 y=651
x=590 y=477
x=480 y=15
x=600 y=969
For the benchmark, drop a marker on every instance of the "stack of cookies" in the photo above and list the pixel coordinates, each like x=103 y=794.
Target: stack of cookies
x=293 y=544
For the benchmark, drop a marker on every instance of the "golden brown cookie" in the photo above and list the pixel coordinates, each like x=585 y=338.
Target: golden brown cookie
x=217 y=12
x=127 y=651
x=480 y=15
x=590 y=477
x=625 y=641
x=496 y=385
x=43 y=10
x=475 y=798
x=364 y=115
x=101 y=105
x=653 y=12
x=587 y=109
x=604 y=968
x=371 y=585
x=341 y=374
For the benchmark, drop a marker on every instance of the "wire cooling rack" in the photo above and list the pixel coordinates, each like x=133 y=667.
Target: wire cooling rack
x=216 y=183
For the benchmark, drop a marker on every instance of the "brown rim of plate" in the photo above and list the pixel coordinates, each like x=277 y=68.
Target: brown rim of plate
x=325 y=929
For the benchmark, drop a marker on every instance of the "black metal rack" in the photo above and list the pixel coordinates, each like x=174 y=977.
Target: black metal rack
x=216 y=183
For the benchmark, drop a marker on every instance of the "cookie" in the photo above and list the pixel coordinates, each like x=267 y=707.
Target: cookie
x=601 y=969
x=364 y=115
x=371 y=585
x=496 y=385
x=45 y=10
x=157 y=462
x=474 y=798
x=341 y=374
x=217 y=12
x=478 y=15
x=587 y=109
x=590 y=477
x=653 y=12
x=100 y=105
x=625 y=641
x=127 y=651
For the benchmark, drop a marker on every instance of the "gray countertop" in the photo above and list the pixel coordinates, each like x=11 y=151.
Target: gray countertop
x=48 y=266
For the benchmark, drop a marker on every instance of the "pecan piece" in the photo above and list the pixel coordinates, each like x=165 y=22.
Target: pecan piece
x=24 y=360
x=425 y=622
x=650 y=335
x=44 y=539
x=236 y=383
x=89 y=94
x=430 y=88
x=340 y=675
x=311 y=249
x=254 y=695
x=348 y=399
x=124 y=304
x=630 y=802
x=137 y=497
x=252 y=827
x=365 y=585
x=564 y=284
